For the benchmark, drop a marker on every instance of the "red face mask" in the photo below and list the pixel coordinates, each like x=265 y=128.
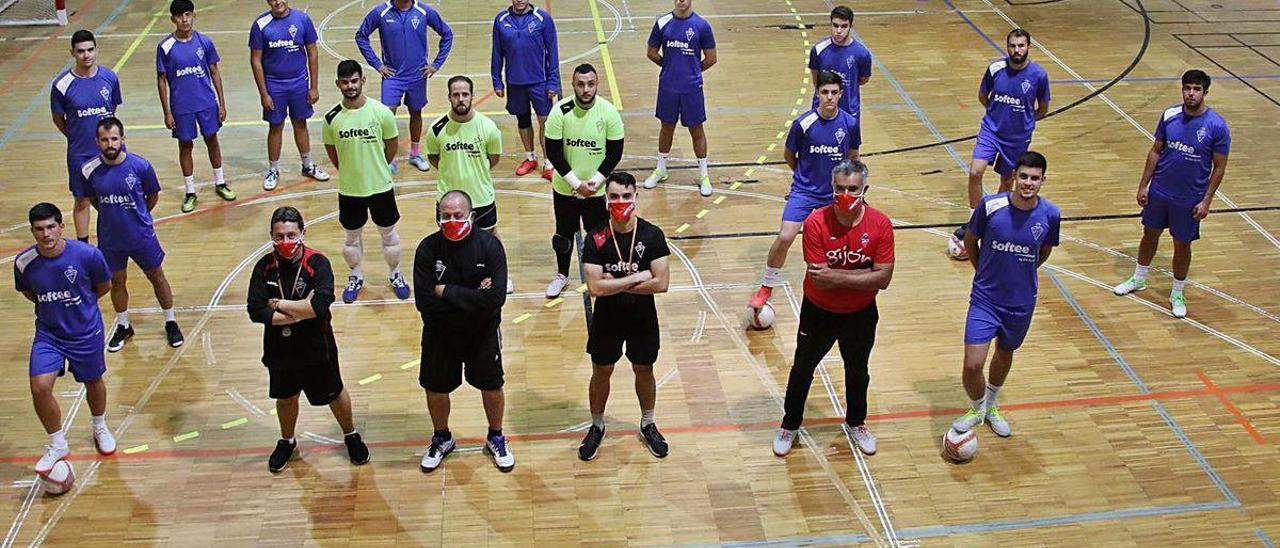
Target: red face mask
x=288 y=248
x=622 y=211
x=456 y=229
x=848 y=202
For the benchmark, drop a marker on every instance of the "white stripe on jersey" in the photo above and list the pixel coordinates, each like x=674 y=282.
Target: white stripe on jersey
x=419 y=7
x=89 y=166
x=536 y=14
x=64 y=83
x=167 y=45
x=997 y=204
x=996 y=67
x=1170 y=112
x=808 y=121
x=24 y=259
x=662 y=21
x=262 y=21
x=817 y=48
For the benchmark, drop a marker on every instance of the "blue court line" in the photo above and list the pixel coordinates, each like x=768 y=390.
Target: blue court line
x=1215 y=77
x=21 y=119
x=1263 y=538
x=975 y=28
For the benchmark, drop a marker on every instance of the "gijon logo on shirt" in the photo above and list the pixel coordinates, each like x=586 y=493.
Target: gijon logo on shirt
x=846 y=257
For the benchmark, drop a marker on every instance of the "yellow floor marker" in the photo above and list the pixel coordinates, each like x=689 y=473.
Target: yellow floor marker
x=234 y=423
x=522 y=317
x=136 y=449
x=702 y=213
x=718 y=200
x=371 y=378
x=682 y=228
x=184 y=437
x=410 y=365
x=553 y=302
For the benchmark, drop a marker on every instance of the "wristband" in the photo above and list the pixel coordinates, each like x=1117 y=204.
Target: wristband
x=572 y=179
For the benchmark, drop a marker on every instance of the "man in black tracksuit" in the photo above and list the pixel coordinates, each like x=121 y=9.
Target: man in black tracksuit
x=460 y=281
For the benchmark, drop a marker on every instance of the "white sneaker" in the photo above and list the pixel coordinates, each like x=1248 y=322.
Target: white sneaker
x=557 y=285
x=315 y=172
x=1178 y=305
x=511 y=286
x=658 y=176
x=436 y=453
x=51 y=456
x=782 y=443
x=704 y=187
x=996 y=421
x=103 y=440
x=419 y=162
x=968 y=420
x=270 y=179
x=1129 y=286
x=395 y=168
x=863 y=438
x=502 y=457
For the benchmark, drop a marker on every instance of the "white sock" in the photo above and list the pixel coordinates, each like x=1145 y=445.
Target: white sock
x=772 y=276
x=978 y=405
x=306 y=159
x=391 y=247
x=351 y=433
x=1140 y=273
x=290 y=440
x=58 y=439
x=702 y=167
x=989 y=400
x=597 y=420
x=122 y=318
x=99 y=421
x=646 y=417
x=274 y=165
x=1178 y=285
x=190 y=181
x=662 y=160
x=218 y=178
x=530 y=156
x=355 y=271
x=546 y=163
x=169 y=315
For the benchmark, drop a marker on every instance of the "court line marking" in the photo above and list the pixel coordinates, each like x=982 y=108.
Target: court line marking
x=44 y=43
x=1231 y=407
x=615 y=92
x=1263 y=538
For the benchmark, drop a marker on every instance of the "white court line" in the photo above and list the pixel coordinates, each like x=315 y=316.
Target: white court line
x=1247 y=218
x=28 y=500
x=244 y=402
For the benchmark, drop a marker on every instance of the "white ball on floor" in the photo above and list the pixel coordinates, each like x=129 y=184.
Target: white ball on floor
x=959 y=447
x=60 y=478
x=762 y=318
x=955 y=249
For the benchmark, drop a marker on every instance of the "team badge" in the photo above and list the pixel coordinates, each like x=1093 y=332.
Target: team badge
x=1200 y=134
x=439 y=269
x=533 y=26
x=105 y=93
x=131 y=181
x=639 y=249
x=600 y=125
x=70 y=273
x=300 y=287
x=850 y=60
x=1026 y=86
x=414 y=22
x=200 y=52
x=1037 y=230
x=688 y=34
x=866 y=239
x=840 y=133
x=293 y=31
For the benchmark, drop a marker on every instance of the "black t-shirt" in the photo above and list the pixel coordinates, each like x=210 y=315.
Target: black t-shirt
x=309 y=341
x=642 y=246
x=460 y=267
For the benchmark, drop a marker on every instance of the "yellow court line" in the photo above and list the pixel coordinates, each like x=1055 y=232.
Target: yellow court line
x=521 y=317
x=718 y=200
x=136 y=42
x=747 y=174
x=273 y=411
x=371 y=378
x=234 y=423
x=410 y=365
x=136 y=449
x=582 y=288
x=702 y=213
x=614 y=92
x=736 y=184
x=682 y=228
x=184 y=437
x=315 y=120
x=553 y=302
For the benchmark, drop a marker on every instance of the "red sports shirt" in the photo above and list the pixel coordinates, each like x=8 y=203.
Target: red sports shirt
x=847 y=248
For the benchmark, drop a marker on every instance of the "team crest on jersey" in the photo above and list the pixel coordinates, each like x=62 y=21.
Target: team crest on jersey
x=131 y=181
x=688 y=34
x=1200 y=134
x=600 y=126
x=533 y=25
x=300 y=286
x=70 y=273
x=639 y=249
x=293 y=31
x=1037 y=230
x=415 y=22
x=840 y=133
x=439 y=269
x=850 y=60
x=105 y=93
x=866 y=239
x=1026 y=86
x=200 y=52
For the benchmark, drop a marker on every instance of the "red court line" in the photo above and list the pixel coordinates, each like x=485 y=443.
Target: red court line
x=1210 y=390
x=44 y=44
x=1235 y=411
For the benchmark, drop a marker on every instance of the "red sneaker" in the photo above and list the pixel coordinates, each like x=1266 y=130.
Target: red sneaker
x=525 y=167
x=546 y=174
x=761 y=297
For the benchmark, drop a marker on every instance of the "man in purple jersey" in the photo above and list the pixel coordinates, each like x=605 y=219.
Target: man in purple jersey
x=124 y=188
x=682 y=43
x=190 y=88
x=524 y=40
x=282 y=53
x=78 y=98
x=1010 y=235
x=1184 y=168
x=818 y=141
x=64 y=279
x=843 y=55
x=1015 y=93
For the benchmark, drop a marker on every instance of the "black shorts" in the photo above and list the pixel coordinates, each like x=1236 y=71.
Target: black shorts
x=446 y=356
x=321 y=381
x=486 y=217
x=354 y=212
x=571 y=213
x=610 y=331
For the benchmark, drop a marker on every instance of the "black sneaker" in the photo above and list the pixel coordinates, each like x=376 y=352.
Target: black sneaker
x=285 y=451
x=591 y=444
x=119 y=336
x=174 y=334
x=653 y=440
x=356 y=449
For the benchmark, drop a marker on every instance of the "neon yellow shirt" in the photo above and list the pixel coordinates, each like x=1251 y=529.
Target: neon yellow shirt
x=464 y=150
x=358 y=134
x=584 y=133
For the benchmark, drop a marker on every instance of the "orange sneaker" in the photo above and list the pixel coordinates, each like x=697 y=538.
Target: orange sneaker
x=525 y=167
x=761 y=297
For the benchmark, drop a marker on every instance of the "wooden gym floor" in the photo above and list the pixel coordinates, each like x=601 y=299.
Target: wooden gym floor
x=1132 y=428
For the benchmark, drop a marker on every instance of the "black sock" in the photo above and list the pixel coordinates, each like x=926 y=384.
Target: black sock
x=443 y=434
x=562 y=263
x=493 y=433
x=84 y=239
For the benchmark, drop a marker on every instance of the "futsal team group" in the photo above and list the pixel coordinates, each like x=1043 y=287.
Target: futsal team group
x=460 y=278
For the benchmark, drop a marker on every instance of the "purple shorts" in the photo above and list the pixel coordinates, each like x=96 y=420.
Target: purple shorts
x=184 y=128
x=521 y=98
x=1001 y=154
x=986 y=321
x=687 y=107
x=291 y=103
x=1163 y=212
x=413 y=92
x=148 y=256
x=87 y=364
x=75 y=177
x=799 y=206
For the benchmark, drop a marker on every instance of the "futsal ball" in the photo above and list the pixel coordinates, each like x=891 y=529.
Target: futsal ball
x=60 y=478
x=762 y=318
x=955 y=249
x=958 y=447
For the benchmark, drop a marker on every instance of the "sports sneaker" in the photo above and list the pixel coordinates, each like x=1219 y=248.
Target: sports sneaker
x=502 y=457
x=653 y=440
x=440 y=448
x=968 y=420
x=526 y=167
x=863 y=438
x=704 y=186
x=511 y=286
x=393 y=167
x=658 y=176
x=546 y=173
x=189 y=202
x=225 y=192
x=356 y=449
x=285 y=451
x=51 y=456
x=762 y=296
x=419 y=162
x=782 y=443
x=352 y=291
x=315 y=172
x=270 y=179
x=995 y=421
x=118 y=337
x=1178 y=305
x=103 y=441
x=173 y=334
x=398 y=285
x=557 y=285
x=591 y=444
x=1129 y=286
